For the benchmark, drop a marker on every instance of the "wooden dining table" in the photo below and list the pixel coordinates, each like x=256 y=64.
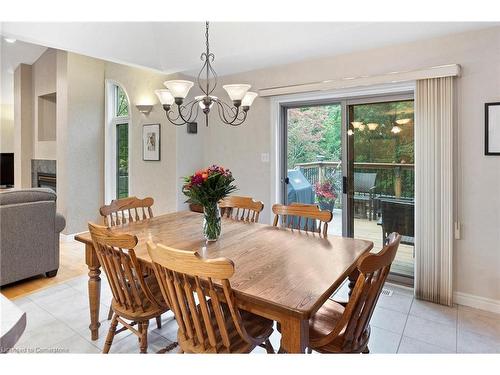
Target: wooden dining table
x=280 y=274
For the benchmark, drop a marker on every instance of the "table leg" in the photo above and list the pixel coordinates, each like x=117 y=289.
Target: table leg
x=94 y=286
x=294 y=335
x=353 y=277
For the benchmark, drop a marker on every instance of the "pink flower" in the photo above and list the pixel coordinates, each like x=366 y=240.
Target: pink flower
x=197 y=179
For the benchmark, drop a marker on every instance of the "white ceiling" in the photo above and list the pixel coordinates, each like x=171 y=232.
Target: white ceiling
x=176 y=46
x=11 y=56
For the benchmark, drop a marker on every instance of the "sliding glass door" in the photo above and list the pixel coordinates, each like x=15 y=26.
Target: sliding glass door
x=354 y=157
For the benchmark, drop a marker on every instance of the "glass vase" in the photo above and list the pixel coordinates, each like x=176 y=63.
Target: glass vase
x=211 y=222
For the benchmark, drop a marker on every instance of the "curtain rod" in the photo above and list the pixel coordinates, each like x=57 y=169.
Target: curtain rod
x=451 y=70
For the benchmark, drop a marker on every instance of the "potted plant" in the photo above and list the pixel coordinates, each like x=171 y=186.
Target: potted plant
x=207 y=187
x=326 y=195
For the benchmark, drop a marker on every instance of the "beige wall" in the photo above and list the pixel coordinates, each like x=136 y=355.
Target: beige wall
x=147 y=178
x=81 y=138
x=6 y=127
x=44 y=82
x=477 y=255
x=22 y=138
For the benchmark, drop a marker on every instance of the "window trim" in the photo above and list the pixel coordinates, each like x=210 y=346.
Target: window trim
x=110 y=139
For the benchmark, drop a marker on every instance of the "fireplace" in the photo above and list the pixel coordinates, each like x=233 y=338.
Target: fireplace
x=46 y=180
x=43 y=174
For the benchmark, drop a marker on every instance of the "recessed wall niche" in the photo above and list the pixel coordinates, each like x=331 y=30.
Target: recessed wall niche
x=47 y=117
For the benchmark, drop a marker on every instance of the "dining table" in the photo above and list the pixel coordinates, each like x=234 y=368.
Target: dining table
x=281 y=274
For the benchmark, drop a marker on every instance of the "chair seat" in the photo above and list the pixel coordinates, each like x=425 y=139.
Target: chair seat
x=256 y=326
x=324 y=322
x=150 y=310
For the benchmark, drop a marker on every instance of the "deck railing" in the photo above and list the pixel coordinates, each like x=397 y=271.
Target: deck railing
x=393 y=179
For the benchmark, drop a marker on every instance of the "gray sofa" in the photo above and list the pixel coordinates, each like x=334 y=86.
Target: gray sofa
x=29 y=234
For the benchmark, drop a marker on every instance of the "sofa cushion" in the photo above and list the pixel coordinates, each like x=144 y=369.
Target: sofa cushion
x=27 y=196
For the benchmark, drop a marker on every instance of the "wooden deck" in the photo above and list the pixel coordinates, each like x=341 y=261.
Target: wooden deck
x=369 y=230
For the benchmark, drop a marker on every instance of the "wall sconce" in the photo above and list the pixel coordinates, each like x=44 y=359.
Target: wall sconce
x=144 y=108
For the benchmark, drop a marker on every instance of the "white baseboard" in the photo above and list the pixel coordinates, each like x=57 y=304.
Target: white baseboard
x=477 y=302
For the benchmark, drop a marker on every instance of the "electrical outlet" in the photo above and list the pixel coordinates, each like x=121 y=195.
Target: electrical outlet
x=264 y=157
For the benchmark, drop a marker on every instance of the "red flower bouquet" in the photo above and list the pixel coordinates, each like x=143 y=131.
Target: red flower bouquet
x=207 y=187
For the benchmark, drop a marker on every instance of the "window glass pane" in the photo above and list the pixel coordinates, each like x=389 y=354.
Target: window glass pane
x=122 y=160
x=314 y=159
x=384 y=178
x=121 y=102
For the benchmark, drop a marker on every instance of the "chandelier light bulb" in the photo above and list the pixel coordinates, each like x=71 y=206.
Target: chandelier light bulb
x=403 y=121
x=236 y=92
x=248 y=99
x=395 y=129
x=165 y=97
x=356 y=124
x=350 y=132
x=179 y=88
x=202 y=104
x=372 y=126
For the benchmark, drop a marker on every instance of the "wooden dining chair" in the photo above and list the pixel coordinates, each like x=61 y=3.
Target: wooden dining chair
x=241 y=208
x=307 y=217
x=123 y=211
x=215 y=325
x=127 y=210
x=135 y=297
x=336 y=328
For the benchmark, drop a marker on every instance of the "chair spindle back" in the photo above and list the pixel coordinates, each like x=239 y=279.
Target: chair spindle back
x=307 y=217
x=185 y=278
x=115 y=252
x=127 y=210
x=241 y=208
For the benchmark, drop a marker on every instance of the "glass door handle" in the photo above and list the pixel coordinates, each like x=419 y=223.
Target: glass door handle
x=344 y=184
x=286 y=180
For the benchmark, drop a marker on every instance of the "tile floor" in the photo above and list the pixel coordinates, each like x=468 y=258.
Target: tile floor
x=58 y=321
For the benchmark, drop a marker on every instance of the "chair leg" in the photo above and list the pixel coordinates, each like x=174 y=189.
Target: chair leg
x=269 y=347
x=309 y=350
x=110 y=313
x=158 y=321
x=111 y=334
x=366 y=350
x=143 y=338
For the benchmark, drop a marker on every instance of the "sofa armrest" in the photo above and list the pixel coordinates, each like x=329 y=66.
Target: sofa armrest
x=60 y=222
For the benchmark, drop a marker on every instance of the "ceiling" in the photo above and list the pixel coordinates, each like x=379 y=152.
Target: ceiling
x=176 y=46
x=13 y=54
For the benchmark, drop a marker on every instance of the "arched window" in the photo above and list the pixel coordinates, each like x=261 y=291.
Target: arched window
x=117 y=142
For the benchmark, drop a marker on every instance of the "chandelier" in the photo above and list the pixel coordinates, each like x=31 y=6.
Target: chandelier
x=177 y=90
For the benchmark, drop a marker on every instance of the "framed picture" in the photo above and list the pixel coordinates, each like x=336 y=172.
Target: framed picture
x=492 y=128
x=151 y=142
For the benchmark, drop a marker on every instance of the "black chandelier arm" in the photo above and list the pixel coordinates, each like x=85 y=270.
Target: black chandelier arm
x=173 y=120
x=192 y=104
x=180 y=109
x=237 y=116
